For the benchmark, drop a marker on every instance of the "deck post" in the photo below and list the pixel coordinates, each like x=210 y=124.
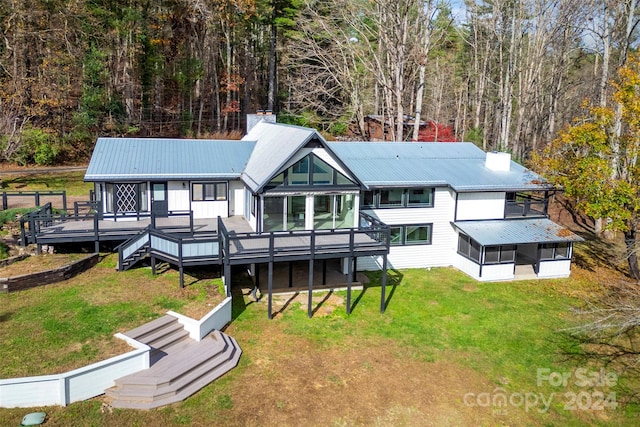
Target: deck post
x=270 y=275
x=227 y=275
x=349 y=280
x=384 y=283
x=350 y=269
x=324 y=271
x=312 y=253
x=270 y=290
x=180 y=266
x=153 y=265
x=290 y=274
x=257 y=275
x=96 y=233
x=4 y=201
x=355 y=268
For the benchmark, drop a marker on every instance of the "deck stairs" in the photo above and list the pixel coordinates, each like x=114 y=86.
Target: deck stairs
x=180 y=366
x=132 y=259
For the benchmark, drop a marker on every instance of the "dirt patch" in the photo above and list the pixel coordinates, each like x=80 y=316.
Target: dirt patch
x=38 y=263
x=323 y=303
x=291 y=382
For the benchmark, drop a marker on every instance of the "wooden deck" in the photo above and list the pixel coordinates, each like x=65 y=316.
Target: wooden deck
x=86 y=230
x=180 y=366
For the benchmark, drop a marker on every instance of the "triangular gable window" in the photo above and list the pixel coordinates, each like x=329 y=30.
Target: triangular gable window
x=310 y=171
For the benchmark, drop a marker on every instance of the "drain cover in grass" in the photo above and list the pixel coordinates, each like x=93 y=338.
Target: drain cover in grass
x=33 y=419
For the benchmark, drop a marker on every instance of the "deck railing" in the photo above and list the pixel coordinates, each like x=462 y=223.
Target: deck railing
x=260 y=247
x=34 y=195
x=42 y=224
x=28 y=223
x=526 y=205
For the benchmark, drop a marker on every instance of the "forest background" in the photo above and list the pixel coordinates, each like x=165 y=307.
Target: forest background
x=505 y=74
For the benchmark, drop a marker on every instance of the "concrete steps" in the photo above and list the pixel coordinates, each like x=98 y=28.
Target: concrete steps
x=182 y=367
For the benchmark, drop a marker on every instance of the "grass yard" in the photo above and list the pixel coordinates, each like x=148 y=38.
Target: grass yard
x=445 y=345
x=72 y=182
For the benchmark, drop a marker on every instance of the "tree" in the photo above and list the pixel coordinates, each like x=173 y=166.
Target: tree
x=579 y=160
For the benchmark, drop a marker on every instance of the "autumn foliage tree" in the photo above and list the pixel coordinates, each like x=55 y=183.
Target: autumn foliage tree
x=597 y=165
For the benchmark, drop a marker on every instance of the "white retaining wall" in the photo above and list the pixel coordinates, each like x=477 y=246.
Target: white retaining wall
x=215 y=319
x=93 y=380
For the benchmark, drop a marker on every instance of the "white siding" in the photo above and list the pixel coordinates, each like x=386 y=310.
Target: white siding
x=480 y=206
x=178 y=197
x=496 y=272
x=467 y=266
x=210 y=209
x=548 y=269
x=444 y=238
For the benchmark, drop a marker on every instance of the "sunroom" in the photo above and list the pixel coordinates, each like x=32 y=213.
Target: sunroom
x=312 y=193
x=517 y=249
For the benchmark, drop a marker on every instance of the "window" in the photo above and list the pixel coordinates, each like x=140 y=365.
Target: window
x=395 y=236
x=499 y=254
x=322 y=172
x=391 y=197
x=418 y=234
x=410 y=234
x=309 y=171
x=367 y=199
x=468 y=248
x=420 y=197
x=299 y=173
x=209 y=191
x=397 y=198
x=550 y=251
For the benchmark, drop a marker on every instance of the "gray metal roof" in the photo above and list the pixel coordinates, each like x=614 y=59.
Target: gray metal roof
x=516 y=231
x=275 y=145
x=460 y=165
x=156 y=158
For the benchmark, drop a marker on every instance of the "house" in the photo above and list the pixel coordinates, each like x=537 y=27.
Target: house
x=283 y=194
x=377 y=128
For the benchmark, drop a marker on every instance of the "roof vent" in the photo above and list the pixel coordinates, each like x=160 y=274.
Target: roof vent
x=499 y=162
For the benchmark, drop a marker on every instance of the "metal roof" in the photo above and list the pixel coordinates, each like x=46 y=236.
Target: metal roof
x=460 y=165
x=159 y=158
x=516 y=231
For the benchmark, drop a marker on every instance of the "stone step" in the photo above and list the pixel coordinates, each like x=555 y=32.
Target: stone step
x=142 y=332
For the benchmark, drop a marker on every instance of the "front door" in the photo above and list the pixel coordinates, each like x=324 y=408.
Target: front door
x=159 y=203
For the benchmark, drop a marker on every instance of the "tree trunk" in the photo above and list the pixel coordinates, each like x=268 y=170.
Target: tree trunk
x=630 y=240
x=271 y=96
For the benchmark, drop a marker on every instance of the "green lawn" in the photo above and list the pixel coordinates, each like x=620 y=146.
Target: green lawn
x=443 y=345
x=72 y=182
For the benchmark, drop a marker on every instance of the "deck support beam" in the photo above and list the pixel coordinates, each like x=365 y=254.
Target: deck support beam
x=310 y=296
x=349 y=280
x=324 y=272
x=383 y=296
x=312 y=252
x=290 y=274
x=355 y=268
x=153 y=265
x=270 y=290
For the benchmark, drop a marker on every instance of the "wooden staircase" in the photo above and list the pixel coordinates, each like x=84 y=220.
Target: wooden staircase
x=180 y=366
x=132 y=259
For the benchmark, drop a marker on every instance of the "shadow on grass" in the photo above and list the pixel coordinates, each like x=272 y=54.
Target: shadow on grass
x=322 y=302
x=4 y=317
x=596 y=251
x=286 y=304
